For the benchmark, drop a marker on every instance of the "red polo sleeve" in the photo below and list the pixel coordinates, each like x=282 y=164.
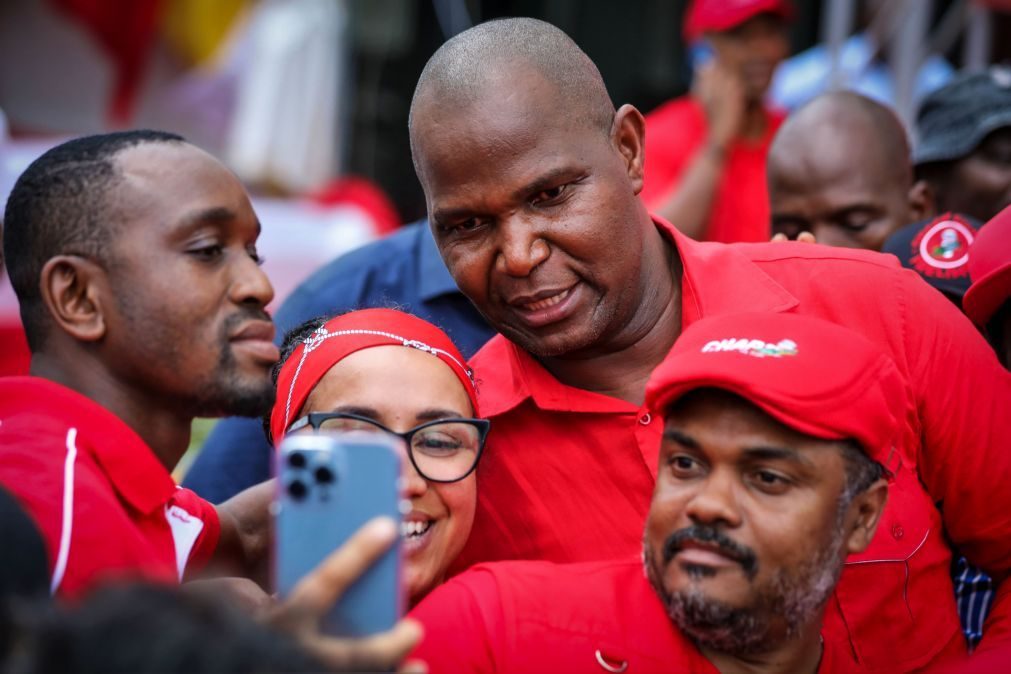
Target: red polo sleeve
x=965 y=399
x=463 y=622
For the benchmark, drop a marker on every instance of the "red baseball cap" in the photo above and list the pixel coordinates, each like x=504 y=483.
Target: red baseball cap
x=989 y=269
x=816 y=377
x=715 y=16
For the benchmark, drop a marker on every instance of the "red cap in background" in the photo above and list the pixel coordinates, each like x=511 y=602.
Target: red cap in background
x=715 y=16
x=990 y=269
x=816 y=377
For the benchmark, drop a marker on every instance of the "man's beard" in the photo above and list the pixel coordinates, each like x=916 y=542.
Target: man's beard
x=225 y=393
x=781 y=607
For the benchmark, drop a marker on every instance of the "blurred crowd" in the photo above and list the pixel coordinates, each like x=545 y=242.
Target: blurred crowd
x=723 y=387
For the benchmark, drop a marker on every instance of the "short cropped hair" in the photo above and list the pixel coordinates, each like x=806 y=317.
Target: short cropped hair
x=60 y=206
x=457 y=72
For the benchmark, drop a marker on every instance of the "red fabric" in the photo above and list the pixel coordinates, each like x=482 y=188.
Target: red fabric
x=567 y=474
x=542 y=617
x=15 y=358
x=126 y=515
x=812 y=375
x=364 y=194
x=126 y=31
x=990 y=269
x=675 y=132
x=346 y=334
x=715 y=16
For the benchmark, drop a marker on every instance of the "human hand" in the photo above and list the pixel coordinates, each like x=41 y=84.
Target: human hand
x=299 y=615
x=803 y=237
x=721 y=92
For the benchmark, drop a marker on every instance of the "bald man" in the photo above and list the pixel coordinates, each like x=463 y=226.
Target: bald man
x=531 y=178
x=840 y=168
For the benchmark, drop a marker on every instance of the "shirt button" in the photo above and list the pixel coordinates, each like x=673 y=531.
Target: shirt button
x=897 y=531
x=645 y=419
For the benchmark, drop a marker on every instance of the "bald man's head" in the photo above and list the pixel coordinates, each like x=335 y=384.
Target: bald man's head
x=491 y=60
x=840 y=168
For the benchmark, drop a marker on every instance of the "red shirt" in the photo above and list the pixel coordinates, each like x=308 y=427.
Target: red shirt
x=543 y=617
x=104 y=504
x=568 y=474
x=675 y=132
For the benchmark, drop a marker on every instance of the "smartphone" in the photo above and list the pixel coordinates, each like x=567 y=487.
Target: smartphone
x=328 y=486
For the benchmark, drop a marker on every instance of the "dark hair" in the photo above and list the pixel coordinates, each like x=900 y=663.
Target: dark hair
x=291 y=340
x=60 y=205
x=146 y=628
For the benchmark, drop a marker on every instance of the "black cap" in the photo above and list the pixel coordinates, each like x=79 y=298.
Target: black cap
x=954 y=119
x=938 y=250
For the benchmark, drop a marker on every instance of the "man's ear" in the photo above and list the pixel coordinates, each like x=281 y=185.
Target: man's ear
x=628 y=133
x=71 y=288
x=922 y=201
x=864 y=515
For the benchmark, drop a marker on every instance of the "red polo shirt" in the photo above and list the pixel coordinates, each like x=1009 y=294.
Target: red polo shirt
x=674 y=134
x=543 y=617
x=568 y=474
x=104 y=504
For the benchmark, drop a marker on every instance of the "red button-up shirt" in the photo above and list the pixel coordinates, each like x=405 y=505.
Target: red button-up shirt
x=595 y=617
x=675 y=132
x=104 y=504
x=568 y=474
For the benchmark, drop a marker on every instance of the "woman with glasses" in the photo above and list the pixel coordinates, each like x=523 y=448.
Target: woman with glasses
x=384 y=371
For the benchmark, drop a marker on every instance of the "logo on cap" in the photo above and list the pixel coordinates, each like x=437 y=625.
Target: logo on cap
x=942 y=248
x=752 y=347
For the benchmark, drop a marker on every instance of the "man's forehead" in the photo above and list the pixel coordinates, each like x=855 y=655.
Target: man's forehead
x=168 y=180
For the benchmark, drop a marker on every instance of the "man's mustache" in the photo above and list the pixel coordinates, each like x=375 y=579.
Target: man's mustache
x=714 y=538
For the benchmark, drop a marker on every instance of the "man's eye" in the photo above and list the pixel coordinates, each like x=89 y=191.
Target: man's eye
x=770 y=481
x=548 y=195
x=682 y=465
x=208 y=252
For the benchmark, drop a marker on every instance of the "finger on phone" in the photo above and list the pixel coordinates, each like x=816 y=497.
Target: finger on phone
x=321 y=588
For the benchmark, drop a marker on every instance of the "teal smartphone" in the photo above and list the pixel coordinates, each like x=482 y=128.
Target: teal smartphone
x=328 y=486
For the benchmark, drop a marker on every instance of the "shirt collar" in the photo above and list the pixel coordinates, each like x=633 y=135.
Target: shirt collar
x=717 y=279
x=131 y=466
x=434 y=278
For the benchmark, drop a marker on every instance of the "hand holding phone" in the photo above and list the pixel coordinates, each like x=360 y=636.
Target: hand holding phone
x=312 y=598
x=329 y=487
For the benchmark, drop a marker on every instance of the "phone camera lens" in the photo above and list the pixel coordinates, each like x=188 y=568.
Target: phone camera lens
x=298 y=490
x=324 y=475
x=296 y=460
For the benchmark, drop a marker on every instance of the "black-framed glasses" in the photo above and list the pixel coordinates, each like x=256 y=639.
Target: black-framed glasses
x=443 y=450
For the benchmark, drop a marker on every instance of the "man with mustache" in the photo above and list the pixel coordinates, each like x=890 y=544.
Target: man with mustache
x=776 y=431
x=134 y=259
x=532 y=190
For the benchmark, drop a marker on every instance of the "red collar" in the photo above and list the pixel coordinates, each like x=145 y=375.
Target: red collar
x=130 y=465
x=717 y=279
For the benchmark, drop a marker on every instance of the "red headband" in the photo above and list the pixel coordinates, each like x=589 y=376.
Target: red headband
x=340 y=337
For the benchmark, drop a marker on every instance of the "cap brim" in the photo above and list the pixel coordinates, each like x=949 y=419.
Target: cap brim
x=987 y=294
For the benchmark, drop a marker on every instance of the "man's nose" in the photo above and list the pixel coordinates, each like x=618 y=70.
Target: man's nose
x=715 y=502
x=521 y=247
x=250 y=284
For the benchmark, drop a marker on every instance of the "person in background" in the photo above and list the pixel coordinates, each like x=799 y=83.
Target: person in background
x=533 y=201
x=133 y=255
x=769 y=476
x=964 y=148
x=403 y=270
x=705 y=159
x=839 y=168
x=384 y=371
x=860 y=65
x=988 y=300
